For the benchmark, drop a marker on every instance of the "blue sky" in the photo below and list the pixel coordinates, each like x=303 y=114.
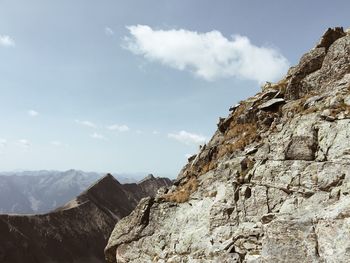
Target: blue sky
x=135 y=86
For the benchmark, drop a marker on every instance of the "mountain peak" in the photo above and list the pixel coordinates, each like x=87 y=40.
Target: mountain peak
x=102 y=182
x=148 y=177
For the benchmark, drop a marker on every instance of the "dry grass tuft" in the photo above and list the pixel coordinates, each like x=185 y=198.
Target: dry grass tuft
x=209 y=166
x=280 y=86
x=182 y=194
x=299 y=106
x=342 y=107
x=238 y=137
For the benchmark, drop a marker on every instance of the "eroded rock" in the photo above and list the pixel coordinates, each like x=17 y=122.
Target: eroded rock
x=301 y=148
x=129 y=229
x=331 y=35
x=271 y=104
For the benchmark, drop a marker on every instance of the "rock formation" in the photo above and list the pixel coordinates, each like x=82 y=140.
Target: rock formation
x=76 y=232
x=272 y=184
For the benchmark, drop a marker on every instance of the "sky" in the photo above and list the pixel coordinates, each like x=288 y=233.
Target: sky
x=136 y=86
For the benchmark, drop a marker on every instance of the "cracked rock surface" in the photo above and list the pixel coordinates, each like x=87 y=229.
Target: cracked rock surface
x=273 y=183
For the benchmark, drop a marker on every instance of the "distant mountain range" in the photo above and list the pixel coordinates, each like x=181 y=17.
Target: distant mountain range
x=76 y=232
x=36 y=192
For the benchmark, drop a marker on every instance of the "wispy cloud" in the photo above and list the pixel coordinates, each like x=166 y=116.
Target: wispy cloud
x=86 y=124
x=208 y=55
x=57 y=143
x=6 y=41
x=187 y=137
x=98 y=136
x=3 y=142
x=155 y=132
x=24 y=143
x=33 y=113
x=119 y=128
x=109 y=31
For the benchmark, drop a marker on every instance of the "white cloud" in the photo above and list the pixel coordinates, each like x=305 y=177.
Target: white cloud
x=109 y=31
x=120 y=128
x=56 y=143
x=187 y=137
x=155 y=132
x=3 y=142
x=33 y=113
x=24 y=143
x=208 y=55
x=86 y=123
x=97 y=136
x=6 y=41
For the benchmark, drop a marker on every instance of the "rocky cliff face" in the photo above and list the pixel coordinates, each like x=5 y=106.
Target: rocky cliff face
x=76 y=232
x=273 y=183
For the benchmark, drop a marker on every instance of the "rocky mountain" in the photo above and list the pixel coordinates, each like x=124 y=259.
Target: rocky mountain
x=36 y=192
x=272 y=184
x=76 y=232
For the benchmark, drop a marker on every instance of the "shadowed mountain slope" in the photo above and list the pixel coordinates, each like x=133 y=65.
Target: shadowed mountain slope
x=76 y=232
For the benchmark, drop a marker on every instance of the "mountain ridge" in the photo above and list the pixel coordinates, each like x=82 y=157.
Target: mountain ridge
x=75 y=232
x=38 y=192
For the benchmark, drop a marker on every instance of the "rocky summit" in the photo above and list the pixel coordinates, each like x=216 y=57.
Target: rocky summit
x=272 y=184
x=76 y=232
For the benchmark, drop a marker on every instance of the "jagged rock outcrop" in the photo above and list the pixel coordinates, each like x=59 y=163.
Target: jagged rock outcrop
x=273 y=183
x=76 y=232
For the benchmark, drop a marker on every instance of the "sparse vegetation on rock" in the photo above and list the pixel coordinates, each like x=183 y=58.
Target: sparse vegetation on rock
x=182 y=193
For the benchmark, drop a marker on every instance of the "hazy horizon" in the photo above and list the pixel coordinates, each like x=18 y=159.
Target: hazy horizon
x=134 y=175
